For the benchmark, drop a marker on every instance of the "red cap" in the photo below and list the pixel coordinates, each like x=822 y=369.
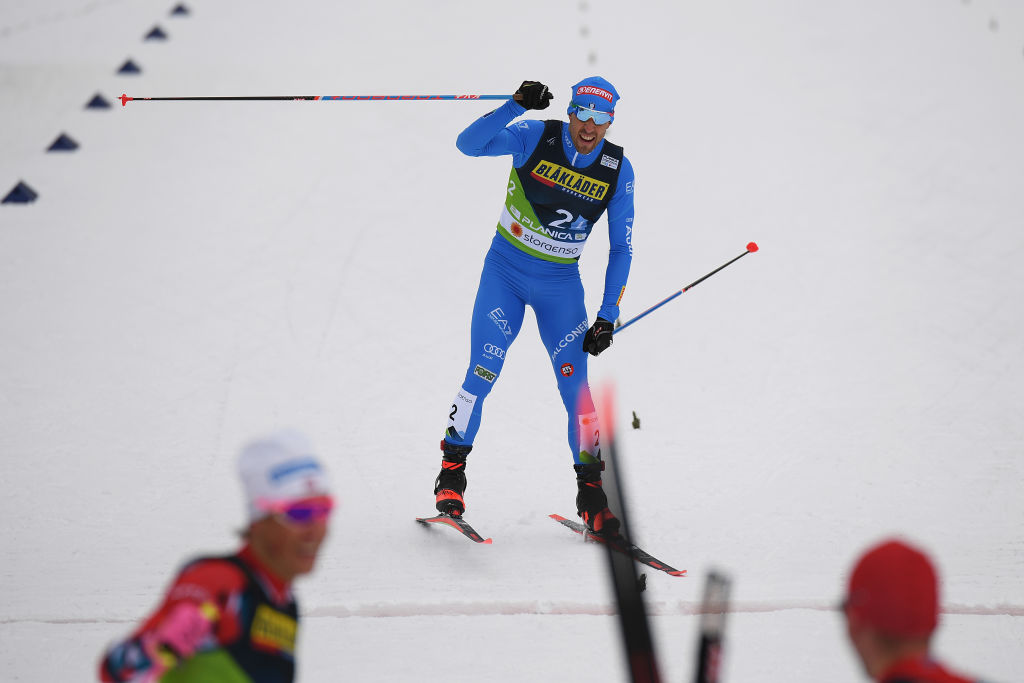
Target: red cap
x=894 y=588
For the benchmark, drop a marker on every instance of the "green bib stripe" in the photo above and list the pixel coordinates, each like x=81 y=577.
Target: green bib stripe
x=520 y=226
x=207 y=667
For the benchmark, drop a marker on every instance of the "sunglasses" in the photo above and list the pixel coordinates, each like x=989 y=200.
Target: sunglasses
x=306 y=511
x=586 y=113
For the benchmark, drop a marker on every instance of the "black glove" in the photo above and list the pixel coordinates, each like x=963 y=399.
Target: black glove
x=533 y=95
x=599 y=337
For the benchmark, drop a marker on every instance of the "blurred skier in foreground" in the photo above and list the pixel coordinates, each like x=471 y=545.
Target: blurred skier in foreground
x=564 y=176
x=892 y=609
x=233 y=619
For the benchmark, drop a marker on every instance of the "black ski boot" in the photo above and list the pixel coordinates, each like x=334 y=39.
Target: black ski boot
x=591 y=501
x=451 y=481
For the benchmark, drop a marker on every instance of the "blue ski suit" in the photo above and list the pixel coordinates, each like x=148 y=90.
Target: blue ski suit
x=554 y=197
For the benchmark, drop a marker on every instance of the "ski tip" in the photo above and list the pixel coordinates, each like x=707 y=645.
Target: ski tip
x=456 y=523
x=752 y=247
x=677 y=572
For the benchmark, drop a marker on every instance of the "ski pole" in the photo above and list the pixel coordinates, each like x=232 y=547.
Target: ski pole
x=713 y=609
x=752 y=247
x=317 y=98
x=634 y=624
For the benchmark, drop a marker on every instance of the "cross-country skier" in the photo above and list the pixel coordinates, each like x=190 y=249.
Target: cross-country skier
x=233 y=618
x=565 y=175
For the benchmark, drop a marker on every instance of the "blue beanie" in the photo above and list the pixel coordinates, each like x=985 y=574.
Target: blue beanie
x=595 y=93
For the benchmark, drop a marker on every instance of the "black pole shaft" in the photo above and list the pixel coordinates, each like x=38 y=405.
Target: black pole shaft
x=750 y=247
x=697 y=282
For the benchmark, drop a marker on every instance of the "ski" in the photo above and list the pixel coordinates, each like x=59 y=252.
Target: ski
x=456 y=523
x=617 y=543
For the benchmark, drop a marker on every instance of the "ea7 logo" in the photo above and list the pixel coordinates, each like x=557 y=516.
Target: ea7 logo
x=567 y=369
x=498 y=316
x=485 y=374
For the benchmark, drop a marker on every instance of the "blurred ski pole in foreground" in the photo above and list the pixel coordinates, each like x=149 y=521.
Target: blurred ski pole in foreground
x=713 y=609
x=636 y=633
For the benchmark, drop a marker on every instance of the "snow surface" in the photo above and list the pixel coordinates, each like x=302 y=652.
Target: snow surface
x=200 y=273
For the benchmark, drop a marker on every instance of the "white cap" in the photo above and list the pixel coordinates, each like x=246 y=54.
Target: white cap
x=280 y=468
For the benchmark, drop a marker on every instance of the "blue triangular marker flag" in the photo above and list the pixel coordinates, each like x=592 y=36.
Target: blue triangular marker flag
x=156 y=33
x=179 y=9
x=97 y=102
x=63 y=143
x=21 y=194
x=129 y=67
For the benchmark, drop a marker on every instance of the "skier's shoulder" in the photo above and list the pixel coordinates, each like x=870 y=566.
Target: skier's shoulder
x=627 y=171
x=529 y=131
x=211 y=574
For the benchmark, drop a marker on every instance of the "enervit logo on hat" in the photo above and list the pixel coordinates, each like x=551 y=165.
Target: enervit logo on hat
x=591 y=90
x=594 y=93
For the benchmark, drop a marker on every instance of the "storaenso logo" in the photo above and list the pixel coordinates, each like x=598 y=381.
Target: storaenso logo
x=485 y=374
x=567 y=251
x=495 y=351
x=573 y=335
